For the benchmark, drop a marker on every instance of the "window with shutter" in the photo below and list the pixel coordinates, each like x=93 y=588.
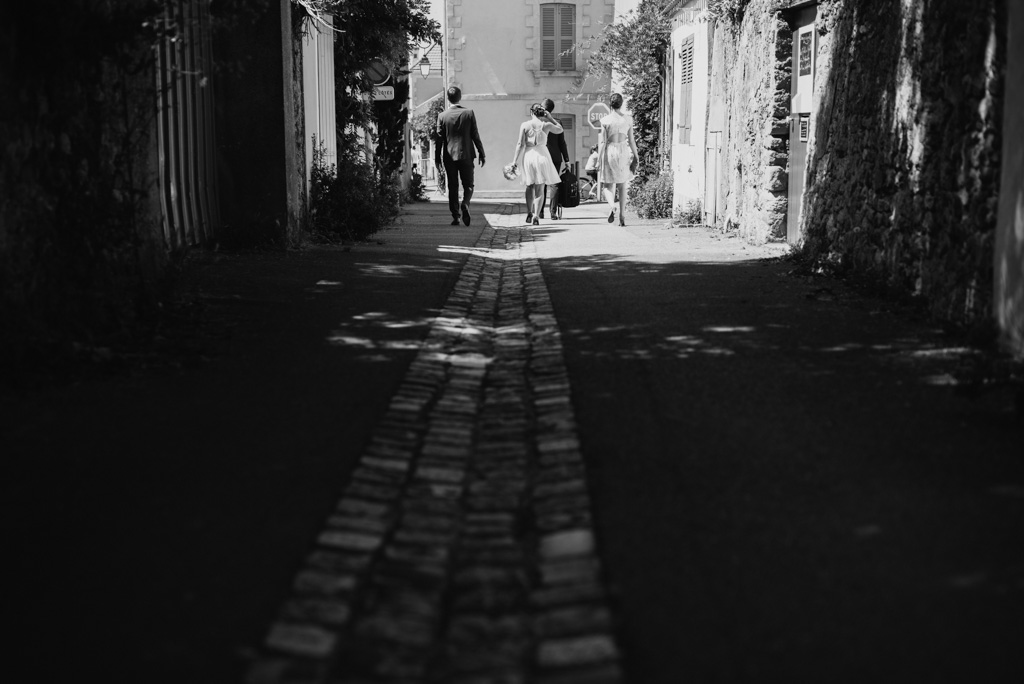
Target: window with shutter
x=557 y=36
x=567 y=37
x=685 y=90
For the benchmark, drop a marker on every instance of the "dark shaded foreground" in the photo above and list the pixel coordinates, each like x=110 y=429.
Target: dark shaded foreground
x=788 y=483
x=791 y=485
x=154 y=520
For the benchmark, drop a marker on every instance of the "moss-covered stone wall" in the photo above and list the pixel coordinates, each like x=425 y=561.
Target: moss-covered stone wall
x=750 y=73
x=903 y=179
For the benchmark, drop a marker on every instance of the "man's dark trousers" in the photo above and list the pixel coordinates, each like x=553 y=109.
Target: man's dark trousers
x=456 y=169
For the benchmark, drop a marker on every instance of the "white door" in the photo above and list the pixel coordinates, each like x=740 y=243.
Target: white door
x=804 y=60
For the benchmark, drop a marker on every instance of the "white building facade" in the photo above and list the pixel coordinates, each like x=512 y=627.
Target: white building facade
x=508 y=54
x=684 y=119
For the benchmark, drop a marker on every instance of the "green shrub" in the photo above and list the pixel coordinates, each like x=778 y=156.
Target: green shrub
x=351 y=199
x=417 y=191
x=653 y=198
x=690 y=213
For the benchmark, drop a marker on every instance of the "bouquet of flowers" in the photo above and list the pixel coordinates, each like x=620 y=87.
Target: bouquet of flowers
x=442 y=178
x=510 y=171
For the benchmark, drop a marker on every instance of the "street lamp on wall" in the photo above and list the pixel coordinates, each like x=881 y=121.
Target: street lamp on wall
x=424 y=67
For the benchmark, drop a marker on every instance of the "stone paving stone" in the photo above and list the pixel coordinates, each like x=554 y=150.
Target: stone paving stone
x=416 y=553
x=561 y=471
x=338 y=561
x=286 y=671
x=561 y=520
x=437 y=474
x=398 y=466
x=316 y=581
x=582 y=650
x=471 y=491
x=545 y=489
x=574 y=620
x=334 y=613
x=555 y=458
x=363 y=507
x=426 y=492
x=378 y=476
x=567 y=543
x=301 y=639
x=353 y=541
x=359 y=523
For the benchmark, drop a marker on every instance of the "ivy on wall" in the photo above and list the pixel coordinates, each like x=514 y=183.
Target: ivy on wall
x=635 y=47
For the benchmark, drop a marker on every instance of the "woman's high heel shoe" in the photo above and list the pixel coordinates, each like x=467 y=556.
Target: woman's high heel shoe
x=536 y=221
x=611 y=217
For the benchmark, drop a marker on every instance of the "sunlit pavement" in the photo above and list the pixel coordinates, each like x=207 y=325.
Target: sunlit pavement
x=496 y=453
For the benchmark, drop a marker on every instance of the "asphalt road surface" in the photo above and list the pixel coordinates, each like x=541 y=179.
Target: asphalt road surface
x=788 y=480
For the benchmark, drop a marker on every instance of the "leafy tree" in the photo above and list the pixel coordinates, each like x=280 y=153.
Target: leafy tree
x=424 y=124
x=635 y=46
x=370 y=30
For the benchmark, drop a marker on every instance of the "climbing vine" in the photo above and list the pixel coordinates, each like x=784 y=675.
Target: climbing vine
x=635 y=47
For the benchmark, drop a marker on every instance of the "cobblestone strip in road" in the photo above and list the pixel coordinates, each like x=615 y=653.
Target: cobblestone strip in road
x=462 y=550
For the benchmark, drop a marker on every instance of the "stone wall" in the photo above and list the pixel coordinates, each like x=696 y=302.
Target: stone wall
x=902 y=183
x=1009 y=256
x=750 y=73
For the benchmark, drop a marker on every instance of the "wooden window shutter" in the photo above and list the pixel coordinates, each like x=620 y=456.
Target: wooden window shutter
x=566 y=37
x=686 y=90
x=548 y=39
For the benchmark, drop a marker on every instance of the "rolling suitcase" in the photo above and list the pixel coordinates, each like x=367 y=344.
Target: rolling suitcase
x=569 y=190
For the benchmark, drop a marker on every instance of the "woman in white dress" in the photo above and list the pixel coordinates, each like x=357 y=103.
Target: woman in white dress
x=538 y=169
x=617 y=157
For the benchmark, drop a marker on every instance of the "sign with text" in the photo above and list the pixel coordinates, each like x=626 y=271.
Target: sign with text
x=595 y=114
x=383 y=93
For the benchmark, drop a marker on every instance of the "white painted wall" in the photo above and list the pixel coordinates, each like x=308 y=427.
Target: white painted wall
x=318 y=90
x=688 y=160
x=493 y=54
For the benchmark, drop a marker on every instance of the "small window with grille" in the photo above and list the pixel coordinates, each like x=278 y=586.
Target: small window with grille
x=557 y=37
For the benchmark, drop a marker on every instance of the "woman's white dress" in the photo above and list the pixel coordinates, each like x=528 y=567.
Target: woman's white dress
x=537 y=165
x=617 y=156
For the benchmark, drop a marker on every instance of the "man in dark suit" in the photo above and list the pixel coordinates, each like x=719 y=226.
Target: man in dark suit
x=560 y=158
x=458 y=143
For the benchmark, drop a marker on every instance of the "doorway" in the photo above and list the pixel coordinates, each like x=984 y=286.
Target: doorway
x=805 y=48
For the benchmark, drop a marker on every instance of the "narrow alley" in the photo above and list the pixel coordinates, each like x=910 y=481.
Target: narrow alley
x=573 y=452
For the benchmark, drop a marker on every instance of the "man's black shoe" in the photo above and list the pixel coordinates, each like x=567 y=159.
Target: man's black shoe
x=465 y=213
x=455 y=222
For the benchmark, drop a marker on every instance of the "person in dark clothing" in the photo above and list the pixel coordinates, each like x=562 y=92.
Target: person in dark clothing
x=560 y=158
x=458 y=144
